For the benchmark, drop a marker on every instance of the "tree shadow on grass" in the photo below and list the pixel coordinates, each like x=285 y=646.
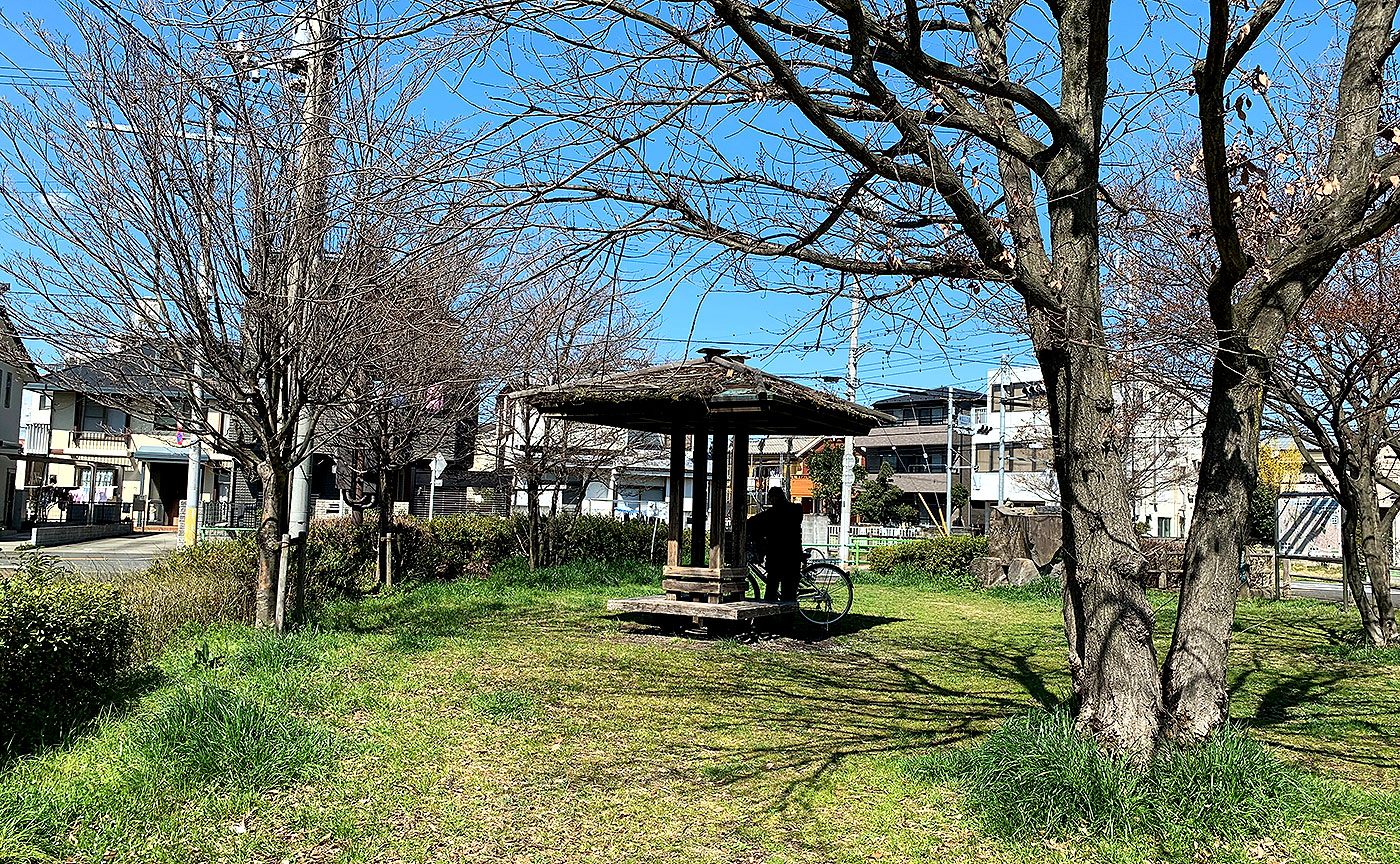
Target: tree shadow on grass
x=416 y=619
x=1305 y=712
x=62 y=725
x=818 y=710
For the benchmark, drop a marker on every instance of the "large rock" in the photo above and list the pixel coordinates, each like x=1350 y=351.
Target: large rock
x=989 y=572
x=1021 y=571
x=1018 y=533
x=1014 y=572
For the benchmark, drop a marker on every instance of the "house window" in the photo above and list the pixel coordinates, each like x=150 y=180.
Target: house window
x=1020 y=458
x=1164 y=526
x=105 y=486
x=100 y=418
x=9 y=382
x=45 y=401
x=169 y=421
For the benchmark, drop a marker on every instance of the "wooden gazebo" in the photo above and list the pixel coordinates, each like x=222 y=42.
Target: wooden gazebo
x=711 y=399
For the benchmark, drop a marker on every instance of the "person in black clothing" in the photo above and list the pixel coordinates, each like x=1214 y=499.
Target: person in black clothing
x=775 y=535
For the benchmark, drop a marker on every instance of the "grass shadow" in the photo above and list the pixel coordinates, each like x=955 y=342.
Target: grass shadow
x=58 y=730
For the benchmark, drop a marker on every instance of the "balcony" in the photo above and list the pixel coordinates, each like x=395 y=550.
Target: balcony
x=70 y=440
x=36 y=438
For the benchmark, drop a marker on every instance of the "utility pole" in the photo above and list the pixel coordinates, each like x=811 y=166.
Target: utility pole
x=317 y=40
x=948 y=466
x=1001 y=435
x=195 y=472
x=848 y=457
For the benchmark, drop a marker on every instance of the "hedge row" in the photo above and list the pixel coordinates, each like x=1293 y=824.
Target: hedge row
x=64 y=647
x=940 y=561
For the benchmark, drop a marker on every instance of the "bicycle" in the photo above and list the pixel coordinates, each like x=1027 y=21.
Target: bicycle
x=824 y=591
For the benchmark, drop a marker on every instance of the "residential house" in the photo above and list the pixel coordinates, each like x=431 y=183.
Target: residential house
x=1013 y=454
x=932 y=438
x=781 y=460
x=16 y=371
x=101 y=445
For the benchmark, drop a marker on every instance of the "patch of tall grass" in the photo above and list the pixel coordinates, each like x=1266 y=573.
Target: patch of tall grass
x=211 y=737
x=1037 y=774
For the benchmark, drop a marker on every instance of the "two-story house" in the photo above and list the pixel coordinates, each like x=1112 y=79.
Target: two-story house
x=102 y=436
x=931 y=442
x=1013 y=452
x=16 y=371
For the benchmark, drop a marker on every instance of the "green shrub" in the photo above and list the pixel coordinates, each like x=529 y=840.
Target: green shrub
x=569 y=538
x=208 y=736
x=941 y=562
x=65 y=646
x=467 y=543
x=340 y=558
x=1036 y=773
x=516 y=573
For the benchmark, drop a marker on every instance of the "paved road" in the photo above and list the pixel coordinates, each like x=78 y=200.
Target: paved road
x=1316 y=590
x=132 y=552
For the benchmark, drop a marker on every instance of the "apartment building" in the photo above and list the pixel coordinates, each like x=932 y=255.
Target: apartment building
x=1013 y=455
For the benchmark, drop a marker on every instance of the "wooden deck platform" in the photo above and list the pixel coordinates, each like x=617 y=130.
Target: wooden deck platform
x=737 y=610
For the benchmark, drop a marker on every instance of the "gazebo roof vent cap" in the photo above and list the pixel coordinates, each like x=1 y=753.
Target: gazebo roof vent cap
x=712 y=353
x=737 y=358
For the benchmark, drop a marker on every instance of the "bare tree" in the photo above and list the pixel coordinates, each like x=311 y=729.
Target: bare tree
x=1336 y=388
x=406 y=408
x=196 y=200
x=1221 y=240
x=570 y=325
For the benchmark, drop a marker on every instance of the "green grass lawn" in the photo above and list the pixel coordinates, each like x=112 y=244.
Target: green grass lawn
x=477 y=722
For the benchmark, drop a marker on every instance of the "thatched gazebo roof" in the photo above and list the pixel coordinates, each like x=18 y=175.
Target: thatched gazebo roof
x=708 y=390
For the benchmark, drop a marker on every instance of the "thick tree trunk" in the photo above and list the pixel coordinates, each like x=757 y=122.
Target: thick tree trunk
x=1195 y=690
x=1375 y=551
x=1108 y=621
x=270 y=530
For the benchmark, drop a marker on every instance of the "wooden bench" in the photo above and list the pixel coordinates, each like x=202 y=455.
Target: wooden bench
x=736 y=610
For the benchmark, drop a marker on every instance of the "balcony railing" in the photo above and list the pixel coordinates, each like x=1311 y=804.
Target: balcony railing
x=36 y=437
x=103 y=441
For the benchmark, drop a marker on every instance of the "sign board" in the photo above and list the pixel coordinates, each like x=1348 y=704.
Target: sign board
x=1310 y=526
x=848 y=463
x=439 y=466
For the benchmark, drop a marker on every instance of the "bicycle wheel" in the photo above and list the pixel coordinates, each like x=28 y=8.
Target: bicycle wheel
x=755 y=588
x=824 y=594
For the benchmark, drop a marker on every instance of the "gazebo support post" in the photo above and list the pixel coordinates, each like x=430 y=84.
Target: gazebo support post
x=719 y=453
x=699 y=487
x=675 y=525
x=739 y=503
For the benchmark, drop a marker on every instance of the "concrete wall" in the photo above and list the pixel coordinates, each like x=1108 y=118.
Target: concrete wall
x=57 y=535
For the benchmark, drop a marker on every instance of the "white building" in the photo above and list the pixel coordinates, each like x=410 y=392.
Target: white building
x=1013 y=454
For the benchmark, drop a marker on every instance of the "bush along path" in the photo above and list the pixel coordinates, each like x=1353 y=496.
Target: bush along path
x=509 y=718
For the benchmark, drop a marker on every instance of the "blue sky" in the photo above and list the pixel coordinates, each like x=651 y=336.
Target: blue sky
x=690 y=313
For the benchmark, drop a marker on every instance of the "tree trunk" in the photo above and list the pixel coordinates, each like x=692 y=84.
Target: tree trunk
x=1194 y=685
x=1375 y=553
x=1108 y=621
x=1353 y=570
x=270 y=530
